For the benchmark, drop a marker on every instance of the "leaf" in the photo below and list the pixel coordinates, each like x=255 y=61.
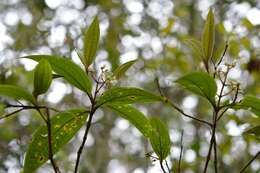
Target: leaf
x=196 y=47
x=120 y=71
x=134 y=116
x=208 y=36
x=122 y=95
x=159 y=138
x=254 y=131
x=234 y=48
x=69 y=70
x=250 y=102
x=64 y=126
x=42 y=77
x=199 y=83
x=15 y=92
x=91 y=39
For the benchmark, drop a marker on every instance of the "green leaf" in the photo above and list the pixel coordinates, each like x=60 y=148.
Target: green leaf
x=15 y=92
x=208 y=36
x=196 y=47
x=91 y=40
x=42 y=77
x=126 y=96
x=254 y=131
x=69 y=70
x=199 y=83
x=64 y=126
x=160 y=138
x=134 y=116
x=250 y=102
x=120 y=71
x=234 y=48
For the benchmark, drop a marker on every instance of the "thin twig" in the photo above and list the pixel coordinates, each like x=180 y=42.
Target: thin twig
x=176 y=107
x=180 y=157
x=249 y=162
x=50 y=149
x=233 y=102
x=225 y=50
x=215 y=117
x=186 y=115
x=169 y=170
x=210 y=147
x=92 y=111
x=89 y=122
x=158 y=86
x=161 y=164
x=215 y=156
x=220 y=60
x=12 y=113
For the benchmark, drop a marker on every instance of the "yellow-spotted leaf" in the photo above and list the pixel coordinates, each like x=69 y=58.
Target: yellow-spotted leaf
x=134 y=116
x=122 y=95
x=42 y=77
x=64 y=126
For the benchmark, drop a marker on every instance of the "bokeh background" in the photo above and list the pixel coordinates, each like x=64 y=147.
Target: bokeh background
x=154 y=32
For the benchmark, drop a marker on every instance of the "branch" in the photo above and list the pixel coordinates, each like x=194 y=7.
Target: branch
x=180 y=157
x=48 y=123
x=210 y=148
x=89 y=122
x=12 y=113
x=186 y=115
x=161 y=164
x=249 y=162
x=225 y=50
x=176 y=107
x=213 y=128
x=215 y=156
x=169 y=170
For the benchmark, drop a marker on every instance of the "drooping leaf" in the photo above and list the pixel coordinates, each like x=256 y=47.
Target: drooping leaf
x=250 y=102
x=199 y=83
x=120 y=71
x=91 y=40
x=126 y=96
x=159 y=138
x=134 y=116
x=16 y=93
x=42 y=77
x=208 y=36
x=64 y=126
x=69 y=70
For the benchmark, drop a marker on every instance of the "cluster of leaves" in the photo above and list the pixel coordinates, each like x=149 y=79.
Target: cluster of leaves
x=59 y=130
x=64 y=125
